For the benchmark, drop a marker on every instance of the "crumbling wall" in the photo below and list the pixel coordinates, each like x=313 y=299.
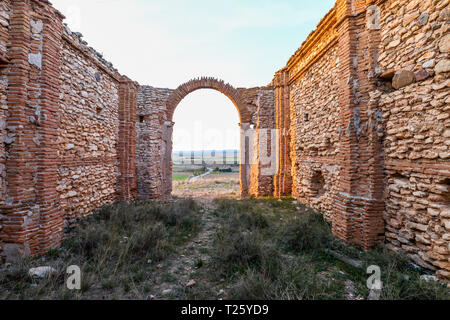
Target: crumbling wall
x=415 y=50
x=369 y=96
x=69 y=129
x=88 y=129
x=361 y=112
x=150 y=148
x=315 y=133
x=4 y=37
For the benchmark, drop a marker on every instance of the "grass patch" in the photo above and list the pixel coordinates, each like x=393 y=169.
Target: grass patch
x=262 y=249
x=113 y=248
x=180 y=177
x=306 y=233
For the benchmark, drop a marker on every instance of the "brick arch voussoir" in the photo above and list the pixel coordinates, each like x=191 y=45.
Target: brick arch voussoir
x=208 y=83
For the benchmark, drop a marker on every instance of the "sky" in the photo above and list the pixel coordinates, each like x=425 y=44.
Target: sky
x=164 y=43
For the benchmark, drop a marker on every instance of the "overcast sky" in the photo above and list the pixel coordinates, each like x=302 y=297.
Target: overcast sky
x=165 y=43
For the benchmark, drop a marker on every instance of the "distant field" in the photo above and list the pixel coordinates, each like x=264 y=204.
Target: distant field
x=183 y=168
x=180 y=177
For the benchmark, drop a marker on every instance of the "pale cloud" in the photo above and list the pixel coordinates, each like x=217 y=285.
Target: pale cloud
x=272 y=14
x=163 y=43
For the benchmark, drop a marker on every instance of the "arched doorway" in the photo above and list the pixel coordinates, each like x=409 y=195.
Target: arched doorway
x=244 y=117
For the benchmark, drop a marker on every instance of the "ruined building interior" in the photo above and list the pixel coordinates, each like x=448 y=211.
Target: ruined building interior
x=360 y=111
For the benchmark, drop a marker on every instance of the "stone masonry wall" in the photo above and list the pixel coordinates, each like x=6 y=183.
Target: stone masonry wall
x=315 y=133
x=335 y=153
x=361 y=111
x=416 y=111
x=88 y=129
x=72 y=137
x=32 y=216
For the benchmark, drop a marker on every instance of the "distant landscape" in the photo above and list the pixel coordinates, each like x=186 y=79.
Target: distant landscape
x=187 y=164
x=206 y=173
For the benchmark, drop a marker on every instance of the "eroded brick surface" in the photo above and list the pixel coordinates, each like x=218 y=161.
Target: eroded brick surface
x=152 y=181
x=4 y=38
x=362 y=147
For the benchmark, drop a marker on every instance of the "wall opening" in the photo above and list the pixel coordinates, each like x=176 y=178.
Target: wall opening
x=317 y=187
x=446 y=195
x=205 y=145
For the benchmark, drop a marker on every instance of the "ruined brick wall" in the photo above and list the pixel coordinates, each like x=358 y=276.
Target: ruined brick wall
x=154 y=128
x=151 y=149
x=369 y=125
x=4 y=38
x=73 y=137
x=415 y=48
x=328 y=125
x=66 y=126
x=88 y=129
x=315 y=133
x=361 y=112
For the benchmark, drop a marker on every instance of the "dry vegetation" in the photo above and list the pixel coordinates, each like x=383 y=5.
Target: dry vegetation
x=118 y=250
x=226 y=248
x=210 y=186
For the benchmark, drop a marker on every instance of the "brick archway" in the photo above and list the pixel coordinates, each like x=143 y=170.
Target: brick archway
x=244 y=117
x=208 y=83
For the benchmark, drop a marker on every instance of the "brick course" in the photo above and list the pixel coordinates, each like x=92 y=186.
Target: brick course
x=33 y=217
x=4 y=38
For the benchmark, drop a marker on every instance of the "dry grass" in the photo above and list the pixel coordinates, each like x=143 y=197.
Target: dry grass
x=211 y=186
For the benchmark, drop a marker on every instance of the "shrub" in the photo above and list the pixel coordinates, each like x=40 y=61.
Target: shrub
x=149 y=241
x=309 y=232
